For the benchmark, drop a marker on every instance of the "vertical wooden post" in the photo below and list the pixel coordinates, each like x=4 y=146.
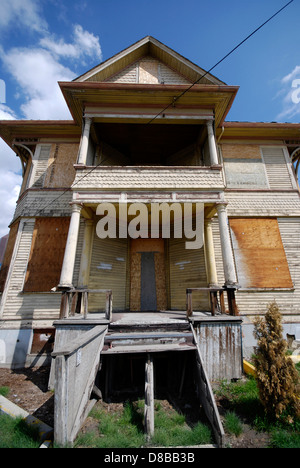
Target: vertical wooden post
x=149 y=397
x=189 y=303
x=222 y=302
x=64 y=305
x=213 y=302
x=108 y=306
x=85 y=303
x=61 y=401
x=233 y=310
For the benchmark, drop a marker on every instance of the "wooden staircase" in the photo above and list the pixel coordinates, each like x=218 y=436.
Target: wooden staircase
x=147 y=340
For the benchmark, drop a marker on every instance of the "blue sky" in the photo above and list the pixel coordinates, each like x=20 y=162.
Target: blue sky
x=45 y=41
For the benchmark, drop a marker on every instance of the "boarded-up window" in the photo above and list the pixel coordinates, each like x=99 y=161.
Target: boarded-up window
x=259 y=253
x=8 y=254
x=244 y=167
x=47 y=254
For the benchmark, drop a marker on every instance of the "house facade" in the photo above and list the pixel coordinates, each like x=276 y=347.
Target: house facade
x=149 y=131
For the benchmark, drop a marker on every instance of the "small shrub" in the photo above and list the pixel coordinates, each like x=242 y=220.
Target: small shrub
x=276 y=375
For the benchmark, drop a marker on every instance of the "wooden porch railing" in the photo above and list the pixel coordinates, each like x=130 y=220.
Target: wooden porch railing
x=75 y=301
x=215 y=304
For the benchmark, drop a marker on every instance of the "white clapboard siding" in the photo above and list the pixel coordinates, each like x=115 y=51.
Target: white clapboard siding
x=29 y=307
x=108 y=271
x=187 y=270
x=276 y=168
x=169 y=76
x=131 y=74
x=128 y=75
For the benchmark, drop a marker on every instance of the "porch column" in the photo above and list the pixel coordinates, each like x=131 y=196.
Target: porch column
x=66 y=276
x=228 y=262
x=83 y=151
x=212 y=276
x=86 y=253
x=212 y=144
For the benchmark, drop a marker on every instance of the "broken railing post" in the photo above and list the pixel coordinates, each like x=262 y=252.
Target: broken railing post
x=233 y=309
x=189 y=303
x=108 y=306
x=64 y=303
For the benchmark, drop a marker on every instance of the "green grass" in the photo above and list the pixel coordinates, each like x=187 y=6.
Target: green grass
x=15 y=433
x=4 y=391
x=242 y=399
x=233 y=424
x=126 y=429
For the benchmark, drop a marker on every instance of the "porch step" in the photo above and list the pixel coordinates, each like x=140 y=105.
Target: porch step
x=146 y=342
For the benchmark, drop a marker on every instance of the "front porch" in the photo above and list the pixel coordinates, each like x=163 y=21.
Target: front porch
x=154 y=269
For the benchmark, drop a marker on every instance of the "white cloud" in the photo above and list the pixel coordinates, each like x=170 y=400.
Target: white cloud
x=37 y=73
x=290 y=95
x=36 y=70
x=85 y=44
x=22 y=13
x=6 y=113
x=11 y=180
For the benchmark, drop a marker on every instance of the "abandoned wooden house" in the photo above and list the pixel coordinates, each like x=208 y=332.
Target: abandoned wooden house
x=149 y=128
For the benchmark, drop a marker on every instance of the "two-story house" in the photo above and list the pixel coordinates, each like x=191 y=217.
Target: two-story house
x=149 y=130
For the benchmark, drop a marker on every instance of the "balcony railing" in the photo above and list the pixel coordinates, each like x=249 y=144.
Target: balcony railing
x=75 y=301
x=148 y=177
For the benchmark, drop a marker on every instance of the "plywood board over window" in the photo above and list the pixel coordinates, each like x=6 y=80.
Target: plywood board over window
x=259 y=253
x=47 y=254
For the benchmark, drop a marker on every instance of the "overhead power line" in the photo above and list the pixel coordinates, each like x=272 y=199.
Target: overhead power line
x=220 y=61
x=180 y=95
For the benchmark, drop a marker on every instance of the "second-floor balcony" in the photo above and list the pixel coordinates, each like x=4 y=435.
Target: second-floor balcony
x=128 y=156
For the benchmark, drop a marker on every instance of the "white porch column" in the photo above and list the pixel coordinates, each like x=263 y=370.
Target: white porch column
x=86 y=253
x=212 y=144
x=228 y=262
x=66 y=276
x=212 y=276
x=83 y=151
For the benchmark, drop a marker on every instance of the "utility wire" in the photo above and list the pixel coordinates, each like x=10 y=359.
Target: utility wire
x=220 y=61
x=175 y=98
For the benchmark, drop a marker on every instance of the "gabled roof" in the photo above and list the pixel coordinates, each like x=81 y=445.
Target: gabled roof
x=148 y=46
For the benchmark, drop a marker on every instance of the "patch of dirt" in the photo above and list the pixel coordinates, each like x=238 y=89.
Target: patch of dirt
x=29 y=390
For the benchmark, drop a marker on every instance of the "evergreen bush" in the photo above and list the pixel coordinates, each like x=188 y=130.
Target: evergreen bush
x=276 y=375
